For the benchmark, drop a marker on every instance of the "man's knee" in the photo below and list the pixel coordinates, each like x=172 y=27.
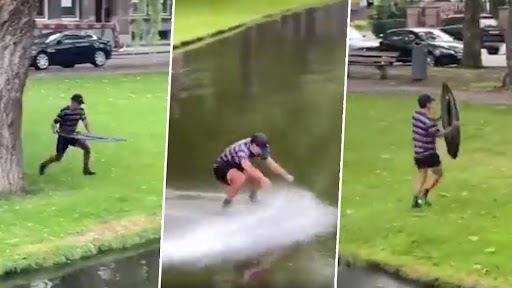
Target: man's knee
x=236 y=177
x=438 y=172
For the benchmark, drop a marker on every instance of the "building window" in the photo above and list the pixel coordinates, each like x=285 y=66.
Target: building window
x=138 y=8
x=42 y=9
x=166 y=6
x=70 y=9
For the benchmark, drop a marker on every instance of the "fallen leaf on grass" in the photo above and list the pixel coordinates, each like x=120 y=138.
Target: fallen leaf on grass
x=473 y=238
x=490 y=250
x=444 y=194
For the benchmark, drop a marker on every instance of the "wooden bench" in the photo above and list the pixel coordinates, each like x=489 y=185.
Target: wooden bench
x=377 y=59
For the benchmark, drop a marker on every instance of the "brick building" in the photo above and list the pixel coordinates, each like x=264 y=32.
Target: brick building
x=123 y=12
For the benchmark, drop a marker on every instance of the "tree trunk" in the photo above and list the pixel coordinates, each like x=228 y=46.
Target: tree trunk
x=472 y=55
x=16 y=30
x=508 y=40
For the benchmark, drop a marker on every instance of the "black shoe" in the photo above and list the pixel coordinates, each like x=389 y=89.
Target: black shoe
x=88 y=172
x=42 y=168
x=227 y=202
x=253 y=196
x=425 y=199
x=415 y=202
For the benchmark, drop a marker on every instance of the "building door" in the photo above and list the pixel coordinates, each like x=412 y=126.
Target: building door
x=99 y=11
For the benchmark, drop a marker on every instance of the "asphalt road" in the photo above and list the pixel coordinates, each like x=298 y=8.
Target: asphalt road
x=118 y=64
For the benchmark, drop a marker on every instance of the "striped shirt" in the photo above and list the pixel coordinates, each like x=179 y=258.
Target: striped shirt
x=68 y=119
x=424 y=131
x=238 y=151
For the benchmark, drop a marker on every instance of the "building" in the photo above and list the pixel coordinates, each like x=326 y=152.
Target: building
x=121 y=12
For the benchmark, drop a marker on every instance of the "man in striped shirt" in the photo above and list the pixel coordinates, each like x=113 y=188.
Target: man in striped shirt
x=234 y=167
x=425 y=131
x=64 y=125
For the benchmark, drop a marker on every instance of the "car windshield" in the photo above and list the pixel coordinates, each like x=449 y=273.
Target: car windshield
x=46 y=37
x=435 y=36
x=354 y=34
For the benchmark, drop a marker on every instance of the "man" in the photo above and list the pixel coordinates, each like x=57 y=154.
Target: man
x=234 y=168
x=65 y=125
x=425 y=131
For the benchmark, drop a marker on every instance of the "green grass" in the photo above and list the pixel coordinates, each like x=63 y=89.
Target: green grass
x=465 y=237
x=63 y=209
x=198 y=18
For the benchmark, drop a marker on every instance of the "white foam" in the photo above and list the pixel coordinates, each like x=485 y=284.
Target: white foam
x=284 y=216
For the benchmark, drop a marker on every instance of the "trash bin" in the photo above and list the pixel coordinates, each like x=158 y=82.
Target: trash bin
x=419 y=63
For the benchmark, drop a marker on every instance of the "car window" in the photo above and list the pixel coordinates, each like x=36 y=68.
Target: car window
x=393 y=36
x=435 y=35
x=408 y=37
x=72 y=37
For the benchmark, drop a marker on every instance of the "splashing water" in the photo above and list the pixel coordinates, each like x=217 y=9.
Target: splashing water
x=198 y=232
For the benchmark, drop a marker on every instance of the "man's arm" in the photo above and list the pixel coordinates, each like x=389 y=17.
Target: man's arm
x=247 y=165
x=276 y=168
x=56 y=121
x=440 y=133
x=86 y=125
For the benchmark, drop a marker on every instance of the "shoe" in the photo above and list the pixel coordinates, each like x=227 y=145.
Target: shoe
x=415 y=202
x=253 y=196
x=42 y=168
x=425 y=200
x=88 y=172
x=227 y=203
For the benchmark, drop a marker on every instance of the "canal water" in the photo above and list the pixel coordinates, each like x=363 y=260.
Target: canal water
x=283 y=77
x=135 y=268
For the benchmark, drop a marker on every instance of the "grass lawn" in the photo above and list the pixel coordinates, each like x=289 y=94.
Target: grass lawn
x=66 y=215
x=465 y=237
x=197 y=18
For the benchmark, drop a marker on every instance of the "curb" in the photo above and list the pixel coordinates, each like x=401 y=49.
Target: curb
x=132 y=53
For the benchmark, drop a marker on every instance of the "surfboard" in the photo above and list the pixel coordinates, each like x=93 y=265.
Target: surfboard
x=450 y=114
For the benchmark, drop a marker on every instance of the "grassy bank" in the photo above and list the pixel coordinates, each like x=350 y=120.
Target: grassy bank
x=66 y=215
x=464 y=237
x=197 y=18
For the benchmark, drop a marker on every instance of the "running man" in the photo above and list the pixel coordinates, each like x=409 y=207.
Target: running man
x=234 y=168
x=425 y=131
x=66 y=123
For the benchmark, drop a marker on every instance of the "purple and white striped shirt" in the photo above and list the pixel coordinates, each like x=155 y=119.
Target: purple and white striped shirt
x=238 y=151
x=424 y=131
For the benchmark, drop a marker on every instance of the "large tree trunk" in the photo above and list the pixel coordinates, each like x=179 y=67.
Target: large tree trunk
x=16 y=30
x=472 y=56
x=508 y=40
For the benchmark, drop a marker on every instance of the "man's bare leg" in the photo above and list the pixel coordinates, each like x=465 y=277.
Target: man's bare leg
x=437 y=174
x=254 y=186
x=418 y=189
x=236 y=180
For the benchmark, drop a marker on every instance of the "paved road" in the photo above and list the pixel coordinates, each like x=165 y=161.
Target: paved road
x=118 y=64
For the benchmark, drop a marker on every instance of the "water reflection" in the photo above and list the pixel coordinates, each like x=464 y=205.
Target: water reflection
x=140 y=270
x=285 y=78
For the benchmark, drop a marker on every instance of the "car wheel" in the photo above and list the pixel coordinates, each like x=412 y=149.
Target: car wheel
x=42 y=61
x=100 y=58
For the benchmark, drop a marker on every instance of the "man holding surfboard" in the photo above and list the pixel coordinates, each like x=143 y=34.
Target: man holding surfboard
x=234 y=168
x=65 y=126
x=425 y=133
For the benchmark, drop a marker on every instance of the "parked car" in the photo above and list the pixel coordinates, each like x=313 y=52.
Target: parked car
x=357 y=41
x=67 y=49
x=442 y=49
x=492 y=36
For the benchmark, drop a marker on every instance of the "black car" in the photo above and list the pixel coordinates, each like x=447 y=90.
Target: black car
x=67 y=49
x=442 y=49
x=491 y=33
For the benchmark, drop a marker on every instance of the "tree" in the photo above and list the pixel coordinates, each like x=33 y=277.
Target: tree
x=472 y=55
x=16 y=32
x=508 y=40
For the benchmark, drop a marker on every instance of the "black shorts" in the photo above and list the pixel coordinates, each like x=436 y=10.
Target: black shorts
x=63 y=143
x=221 y=169
x=428 y=162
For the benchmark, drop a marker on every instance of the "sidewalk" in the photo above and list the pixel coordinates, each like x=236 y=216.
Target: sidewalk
x=142 y=50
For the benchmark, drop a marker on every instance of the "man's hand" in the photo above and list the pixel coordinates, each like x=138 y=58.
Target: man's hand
x=288 y=177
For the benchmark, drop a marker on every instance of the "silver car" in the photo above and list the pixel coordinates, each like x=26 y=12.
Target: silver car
x=358 y=41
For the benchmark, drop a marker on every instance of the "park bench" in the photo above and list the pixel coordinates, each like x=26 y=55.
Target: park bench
x=378 y=59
